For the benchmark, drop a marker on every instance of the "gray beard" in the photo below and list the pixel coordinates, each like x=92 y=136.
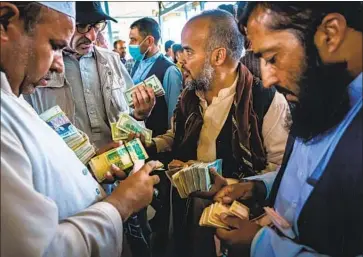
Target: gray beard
x=204 y=81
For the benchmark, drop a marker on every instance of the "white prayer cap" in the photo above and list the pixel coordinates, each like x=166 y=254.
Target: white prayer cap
x=68 y=8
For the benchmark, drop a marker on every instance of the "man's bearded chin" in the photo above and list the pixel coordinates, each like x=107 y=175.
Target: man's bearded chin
x=204 y=81
x=323 y=99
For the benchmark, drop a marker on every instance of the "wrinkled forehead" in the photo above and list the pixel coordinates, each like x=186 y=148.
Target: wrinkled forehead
x=195 y=33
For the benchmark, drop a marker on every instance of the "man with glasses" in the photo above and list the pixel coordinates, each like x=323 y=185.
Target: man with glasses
x=90 y=91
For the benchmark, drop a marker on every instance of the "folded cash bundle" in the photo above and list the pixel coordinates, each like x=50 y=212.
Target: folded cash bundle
x=123 y=157
x=74 y=138
x=152 y=82
x=211 y=215
x=195 y=177
x=126 y=124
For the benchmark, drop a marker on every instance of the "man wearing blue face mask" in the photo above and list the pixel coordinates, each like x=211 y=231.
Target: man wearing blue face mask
x=144 y=38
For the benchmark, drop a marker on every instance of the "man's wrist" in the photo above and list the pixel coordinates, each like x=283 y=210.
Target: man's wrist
x=122 y=208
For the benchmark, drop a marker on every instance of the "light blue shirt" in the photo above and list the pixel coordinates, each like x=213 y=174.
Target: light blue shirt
x=172 y=82
x=306 y=160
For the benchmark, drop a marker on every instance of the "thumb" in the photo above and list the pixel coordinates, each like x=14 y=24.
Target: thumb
x=231 y=221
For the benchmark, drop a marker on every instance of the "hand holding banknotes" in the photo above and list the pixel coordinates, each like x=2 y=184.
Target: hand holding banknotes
x=115 y=172
x=241 y=191
x=135 y=192
x=240 y=237
x=143 y=99
x=219 y=183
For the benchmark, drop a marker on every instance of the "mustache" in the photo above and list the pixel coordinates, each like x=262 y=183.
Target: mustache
x=84 y=40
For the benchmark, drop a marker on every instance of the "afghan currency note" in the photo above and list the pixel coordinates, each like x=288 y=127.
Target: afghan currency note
x=136 y=150
x=101 y=164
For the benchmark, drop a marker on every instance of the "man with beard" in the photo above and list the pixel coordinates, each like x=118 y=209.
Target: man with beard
x=312 y=51
x=50 y=203
x=90 y=89
x=222 y=114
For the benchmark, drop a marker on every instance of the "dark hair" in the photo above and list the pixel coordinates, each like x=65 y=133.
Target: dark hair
x=168 y=44
x=148 y=27
x=228 y=8
x=223 y=32
x=305 y=17
x=30 y=12
x=116 y=42
x=177 y=48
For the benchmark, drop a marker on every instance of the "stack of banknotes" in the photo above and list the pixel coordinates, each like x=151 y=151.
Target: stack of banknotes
x=74 y=138
x=126 y=125
x=123 y=157
x=195 y=177
x=152 y=82
x=211 y=215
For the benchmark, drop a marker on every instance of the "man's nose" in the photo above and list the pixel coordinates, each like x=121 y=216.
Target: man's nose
x=268 y=74
x=58 y=64
x=91 y=35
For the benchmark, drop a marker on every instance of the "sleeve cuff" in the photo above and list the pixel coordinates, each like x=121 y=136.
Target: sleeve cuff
x=267 y=178
x=114 y=216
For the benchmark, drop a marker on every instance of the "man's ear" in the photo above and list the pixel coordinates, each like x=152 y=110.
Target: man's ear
x=218 y=56
x=8 y=14
x=330 y=35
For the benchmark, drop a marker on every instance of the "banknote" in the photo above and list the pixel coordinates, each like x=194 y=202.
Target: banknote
x=152 y=82
x=129 y=125
x=117 y=134
x=74 y=138
x=194 y=177
x=136 y=150
x=211 y=215
x=101 y=164
x=123 y=157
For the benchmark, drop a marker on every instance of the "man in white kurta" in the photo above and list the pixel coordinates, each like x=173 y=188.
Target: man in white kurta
x=50 y=203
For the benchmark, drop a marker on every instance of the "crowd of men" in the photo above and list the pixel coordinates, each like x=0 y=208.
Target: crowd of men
x=274 y=89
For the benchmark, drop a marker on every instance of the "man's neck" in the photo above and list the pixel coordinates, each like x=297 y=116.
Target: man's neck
x=221 y=80
x=152 y=52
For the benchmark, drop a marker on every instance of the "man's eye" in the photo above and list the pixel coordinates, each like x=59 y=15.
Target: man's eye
x=271 y=60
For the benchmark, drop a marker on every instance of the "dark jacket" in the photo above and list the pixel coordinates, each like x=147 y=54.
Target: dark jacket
x=331 y=221
x=158 y=119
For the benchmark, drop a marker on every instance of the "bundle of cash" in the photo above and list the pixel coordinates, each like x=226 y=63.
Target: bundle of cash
x=195 y=177
x=123 y=157
x=128 y=125
x=211 y=215
x=152 y=82
x=74 y=138
x=117 y=134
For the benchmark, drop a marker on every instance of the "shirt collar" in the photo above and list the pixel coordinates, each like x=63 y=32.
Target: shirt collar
x=355 y=89
x=5 y=86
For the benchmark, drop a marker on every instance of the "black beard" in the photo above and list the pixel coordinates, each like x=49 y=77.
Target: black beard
x=323 y=98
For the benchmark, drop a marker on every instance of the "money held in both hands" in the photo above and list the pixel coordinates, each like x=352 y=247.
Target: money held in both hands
x=195 y=177
x=152 y=82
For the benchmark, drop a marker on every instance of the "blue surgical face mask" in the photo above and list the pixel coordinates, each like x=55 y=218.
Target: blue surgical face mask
x=135 y=52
